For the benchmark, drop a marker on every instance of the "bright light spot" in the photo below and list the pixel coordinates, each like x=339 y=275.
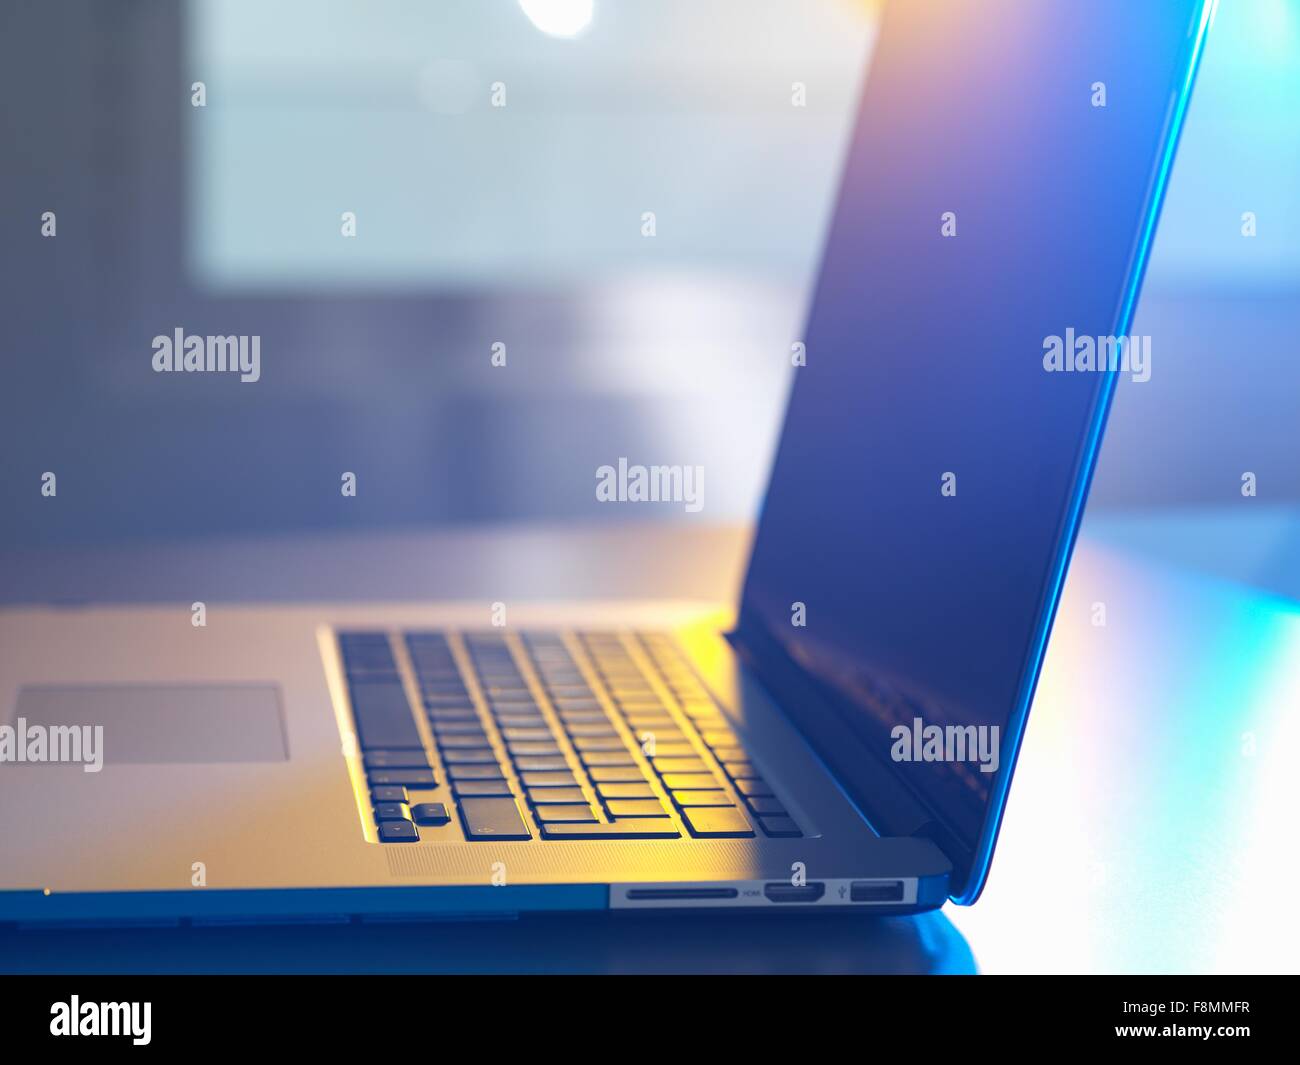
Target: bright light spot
x=559 y=18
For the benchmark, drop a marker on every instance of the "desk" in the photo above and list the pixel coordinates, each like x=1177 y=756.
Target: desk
x=1150 y=827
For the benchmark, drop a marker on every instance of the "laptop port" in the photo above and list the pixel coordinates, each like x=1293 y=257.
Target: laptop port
x=876 y=891
x=683 y=894
x=780 y=892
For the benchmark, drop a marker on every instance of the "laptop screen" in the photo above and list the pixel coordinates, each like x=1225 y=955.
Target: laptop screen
x=994 y=215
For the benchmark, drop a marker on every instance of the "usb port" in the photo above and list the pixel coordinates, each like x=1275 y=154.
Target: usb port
x=790 y=893
x=876 y=891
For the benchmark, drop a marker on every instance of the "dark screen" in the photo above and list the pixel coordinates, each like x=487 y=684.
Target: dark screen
x=927 y=596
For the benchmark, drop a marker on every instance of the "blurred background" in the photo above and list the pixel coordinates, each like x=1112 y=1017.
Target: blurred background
x=522 y=224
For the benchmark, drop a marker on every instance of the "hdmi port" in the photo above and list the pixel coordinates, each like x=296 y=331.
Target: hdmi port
x=790 y=893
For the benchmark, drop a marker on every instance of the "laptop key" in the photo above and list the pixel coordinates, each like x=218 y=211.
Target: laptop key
x=471 y=740
x=605 y=758
x=556 y=795
x=634 y=807
x=616 y=774
x=365 y=645
x=473 y=772
x=480 y=756
x=383 y=716
x=625 y=791
x=527 y=734
x=684 y=781
x=571 y=813
x=592 y=732
x=672 y=749
x=412 y=778
x=493 y=819
x=511 y=723
x=463 y=727
x=764 y=804
x=519 y=747
x=659 y=724
x=662 y=731
x=680 y=765
x=392 y=811
x=583 y=717
x=533 y=763
x=398 y=832
x=631 y=828
x=599 y=743
x=548 y=780
x=779 y=826
x=702 y=798
x=753 y=786
x=715 y=822
x=430 y=813
x=435 y=680
x=530 y=714
x=453 y=720
x=383 y=759
x=388 y=793
x=481 y=788
x=460 y=743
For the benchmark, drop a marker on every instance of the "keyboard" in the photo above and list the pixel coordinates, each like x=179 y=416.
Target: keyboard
x=547 y=736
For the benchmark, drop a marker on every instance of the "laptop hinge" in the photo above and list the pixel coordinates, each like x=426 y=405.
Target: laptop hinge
x=884 y=800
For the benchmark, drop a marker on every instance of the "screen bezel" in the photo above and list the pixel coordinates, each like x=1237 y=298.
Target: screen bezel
x=782 y=674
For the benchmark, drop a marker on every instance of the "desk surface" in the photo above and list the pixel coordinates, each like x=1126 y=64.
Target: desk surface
x=1150 y=827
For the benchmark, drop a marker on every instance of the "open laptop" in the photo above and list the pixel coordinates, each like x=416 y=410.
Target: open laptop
x=844 y=736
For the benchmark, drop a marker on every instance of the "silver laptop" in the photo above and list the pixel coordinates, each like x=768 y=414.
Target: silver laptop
x=842 y=736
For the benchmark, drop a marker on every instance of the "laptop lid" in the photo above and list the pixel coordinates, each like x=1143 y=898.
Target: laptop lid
x=998 y=202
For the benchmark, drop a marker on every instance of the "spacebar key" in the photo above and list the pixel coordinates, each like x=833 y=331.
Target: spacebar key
x=493 y=819
x=631 y=828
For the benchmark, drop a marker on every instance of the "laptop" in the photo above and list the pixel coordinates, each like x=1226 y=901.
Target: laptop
x=842 y=736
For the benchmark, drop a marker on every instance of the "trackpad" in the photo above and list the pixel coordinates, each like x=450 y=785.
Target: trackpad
x=166 y=723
